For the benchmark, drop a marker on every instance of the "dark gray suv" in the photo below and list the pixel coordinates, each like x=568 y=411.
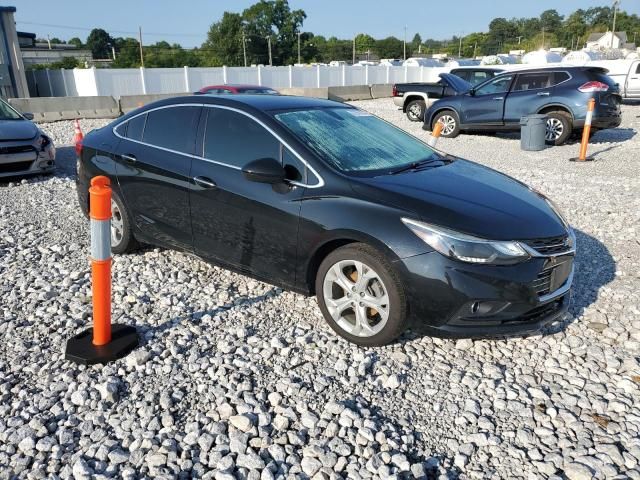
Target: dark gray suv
x=562 y=93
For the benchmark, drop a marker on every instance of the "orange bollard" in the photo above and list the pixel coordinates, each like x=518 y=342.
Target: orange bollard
x=77 y=137
x=104 y=342
x=435 y=135
x=582 y=155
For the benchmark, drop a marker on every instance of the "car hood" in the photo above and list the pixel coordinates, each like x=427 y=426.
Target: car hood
x=458 y=85
x=17 y=130
x=468 y=198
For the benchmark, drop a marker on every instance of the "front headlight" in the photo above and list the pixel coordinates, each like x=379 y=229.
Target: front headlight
x=466 y=248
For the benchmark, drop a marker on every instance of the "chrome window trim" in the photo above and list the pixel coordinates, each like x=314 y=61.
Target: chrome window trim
x=541 y=88
x=216 y=162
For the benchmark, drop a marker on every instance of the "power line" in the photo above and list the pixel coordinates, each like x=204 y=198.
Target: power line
x=126 y=32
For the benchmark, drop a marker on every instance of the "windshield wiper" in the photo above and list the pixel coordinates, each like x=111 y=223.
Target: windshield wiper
x=417 y=165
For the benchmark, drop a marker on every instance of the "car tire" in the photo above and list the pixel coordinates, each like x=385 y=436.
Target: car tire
x=369 y=313
x=451 y=123
x=122 y=239
x=559 y=128
x=415 y=110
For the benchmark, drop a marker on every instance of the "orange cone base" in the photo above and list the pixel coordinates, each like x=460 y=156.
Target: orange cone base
x=80 y=349
x=577 y=159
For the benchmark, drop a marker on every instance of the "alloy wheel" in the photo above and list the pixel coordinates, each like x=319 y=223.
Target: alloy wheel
x=448 y=124
x=554 y=129
x=117 y=224
x=356 y=298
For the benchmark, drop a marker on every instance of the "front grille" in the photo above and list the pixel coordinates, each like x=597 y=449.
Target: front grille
x=16 y=149
x=542 y=284
x=550 y=245
x=15 y=166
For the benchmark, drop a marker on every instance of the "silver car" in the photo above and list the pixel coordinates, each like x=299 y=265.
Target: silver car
x=24 y=148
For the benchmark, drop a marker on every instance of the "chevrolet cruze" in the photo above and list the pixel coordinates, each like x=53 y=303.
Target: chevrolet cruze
x=325 y=199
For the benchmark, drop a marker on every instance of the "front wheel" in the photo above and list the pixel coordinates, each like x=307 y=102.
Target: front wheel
x=450 y=123
x=558 y=129
x=361 y=296
x=122 y=239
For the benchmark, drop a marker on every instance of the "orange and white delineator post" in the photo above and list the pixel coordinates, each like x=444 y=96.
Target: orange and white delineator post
x=104 y=342
x=100 y=215
x=582 y=156
x=435 y=135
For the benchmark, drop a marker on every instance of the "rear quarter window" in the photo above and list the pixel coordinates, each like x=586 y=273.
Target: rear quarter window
x=135 y=127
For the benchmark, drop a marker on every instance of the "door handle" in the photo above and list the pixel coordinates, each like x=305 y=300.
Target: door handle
x=543 y=94
x=204 y=182
x=498 y=98
x=129 y=158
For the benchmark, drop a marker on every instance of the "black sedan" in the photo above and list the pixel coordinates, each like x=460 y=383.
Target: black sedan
x=325 y=199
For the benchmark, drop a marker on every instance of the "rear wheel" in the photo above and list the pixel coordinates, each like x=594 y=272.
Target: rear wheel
x=450 y=123
x=415 y=110
x=559 y=128
x=122 y=239
x=361 y=296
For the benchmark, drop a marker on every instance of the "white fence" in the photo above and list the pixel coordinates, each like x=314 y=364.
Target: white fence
x=137 y=81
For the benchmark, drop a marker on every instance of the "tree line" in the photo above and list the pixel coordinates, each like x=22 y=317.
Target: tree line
x=239 y=38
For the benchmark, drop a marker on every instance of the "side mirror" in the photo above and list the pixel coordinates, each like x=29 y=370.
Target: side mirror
x=28 y=116
x=264 y=170
x=472 y=92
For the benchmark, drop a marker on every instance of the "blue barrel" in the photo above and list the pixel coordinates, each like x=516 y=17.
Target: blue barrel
x=533 y=129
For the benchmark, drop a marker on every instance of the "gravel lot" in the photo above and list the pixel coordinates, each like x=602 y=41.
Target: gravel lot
x=237 y=379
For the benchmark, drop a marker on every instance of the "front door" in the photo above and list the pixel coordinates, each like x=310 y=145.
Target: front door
x=633 y=82
x=247 y=225
x=486 y=105
x=153 y=161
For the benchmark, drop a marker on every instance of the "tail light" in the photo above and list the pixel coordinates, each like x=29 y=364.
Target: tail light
x=394 y=90
x=595 y=86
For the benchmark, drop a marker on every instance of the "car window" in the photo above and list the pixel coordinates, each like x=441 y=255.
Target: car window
x=499 y=85
x=235 y=139
x=638 y=68
x=559 y=77
x=295 y=169
x=533 y=81
x=135 y=127
x=173 y=128
x=478 y=77
x=8 y=113
x=463 y=74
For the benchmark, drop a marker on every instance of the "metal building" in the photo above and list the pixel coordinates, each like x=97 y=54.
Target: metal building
x=13 y=82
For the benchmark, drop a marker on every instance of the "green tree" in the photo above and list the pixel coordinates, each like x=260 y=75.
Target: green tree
x=390 y=47
x=224 y=41
x=364 y=43
x=75 y=41
x=99 y=42
x=551 y=21
x=415 y=43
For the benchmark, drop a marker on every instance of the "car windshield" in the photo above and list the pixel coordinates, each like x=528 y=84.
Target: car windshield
x=8 y=113
x=355 y=141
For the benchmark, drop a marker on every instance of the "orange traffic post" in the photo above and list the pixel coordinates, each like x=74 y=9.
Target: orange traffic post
x=104 y=342
x=435 y=135
x=582 y=155
x=77 y=136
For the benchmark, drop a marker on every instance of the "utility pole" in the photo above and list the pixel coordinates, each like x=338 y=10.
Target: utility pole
x=354 y=51
x=49 y=41
x=299 y=33
x=244 y=48
x=270 y=58
x=140 y=43
x=460 y=48
x=404 y=48
x=543 y=38
x=615 y=11
x=475 y=47
x=634 y=36
x=519 y=39
x=113 y=51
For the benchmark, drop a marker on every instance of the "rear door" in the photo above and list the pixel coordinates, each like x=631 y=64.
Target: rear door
x=531 y=92
x=486 y=105
x=153 y=162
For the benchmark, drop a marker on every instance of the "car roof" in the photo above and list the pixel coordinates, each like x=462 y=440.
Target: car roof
x=237 y=85
x=480 y=67
x=258 y=102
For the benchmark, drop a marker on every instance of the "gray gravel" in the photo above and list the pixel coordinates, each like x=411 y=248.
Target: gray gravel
x=238 y=379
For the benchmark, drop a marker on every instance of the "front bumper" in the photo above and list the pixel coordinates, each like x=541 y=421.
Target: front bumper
x=23 y=158
x=448 y=298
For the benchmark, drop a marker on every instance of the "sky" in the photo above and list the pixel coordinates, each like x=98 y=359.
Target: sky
x=187 y=22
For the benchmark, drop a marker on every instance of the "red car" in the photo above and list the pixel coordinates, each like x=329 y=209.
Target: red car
x=236 y=90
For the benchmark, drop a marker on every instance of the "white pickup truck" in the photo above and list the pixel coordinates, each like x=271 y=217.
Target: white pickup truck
x=626 y=73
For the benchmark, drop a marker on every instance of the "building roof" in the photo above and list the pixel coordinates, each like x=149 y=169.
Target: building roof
x=594 y=37
x=26 y=35
x=8 y=9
